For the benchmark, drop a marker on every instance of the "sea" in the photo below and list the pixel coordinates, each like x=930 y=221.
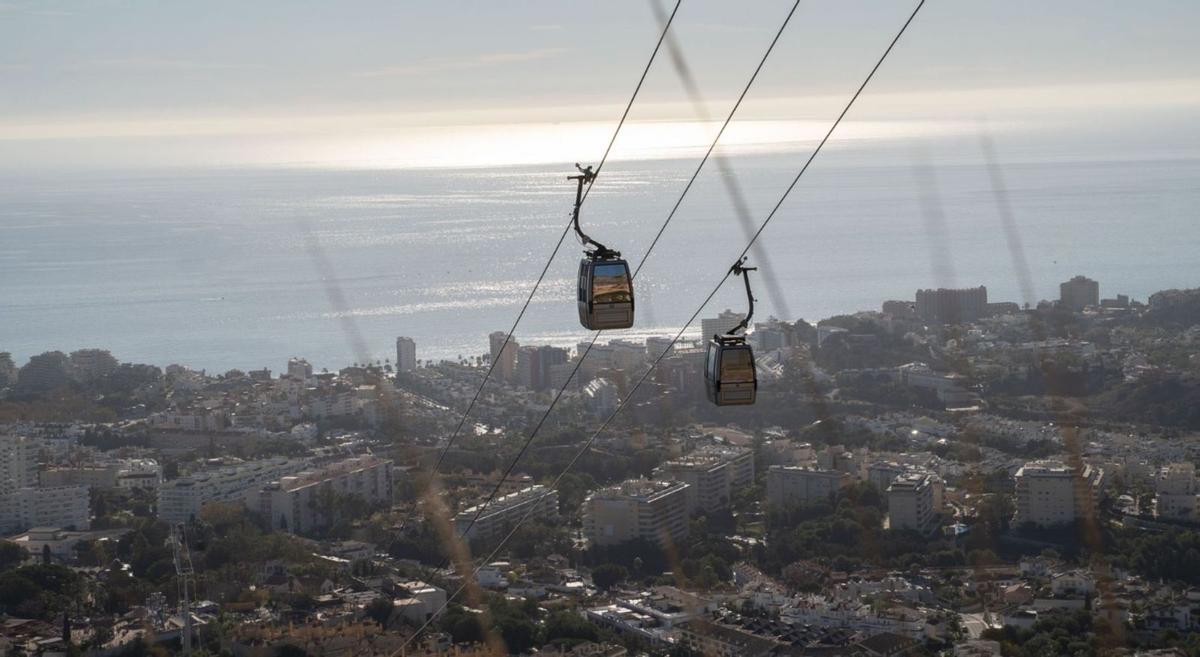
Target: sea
x=244 y=267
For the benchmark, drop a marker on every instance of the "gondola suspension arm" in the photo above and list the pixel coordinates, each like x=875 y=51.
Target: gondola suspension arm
x=585 y=176
x=739 y=270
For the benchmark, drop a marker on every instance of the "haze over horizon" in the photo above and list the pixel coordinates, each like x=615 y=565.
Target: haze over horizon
x=124 y=84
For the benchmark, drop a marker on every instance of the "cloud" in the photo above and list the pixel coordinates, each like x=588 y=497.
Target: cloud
x=545 y=28
x=154 y=64
x=32 y=9
x=440 y=64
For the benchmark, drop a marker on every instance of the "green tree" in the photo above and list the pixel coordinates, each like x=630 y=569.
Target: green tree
x=11 y=555
x=569 y=627
x=380 y=610
x=606 y=576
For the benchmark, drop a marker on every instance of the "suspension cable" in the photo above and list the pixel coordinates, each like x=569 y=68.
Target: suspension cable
x=687 y=188
x=558 y=245
x=587 y=444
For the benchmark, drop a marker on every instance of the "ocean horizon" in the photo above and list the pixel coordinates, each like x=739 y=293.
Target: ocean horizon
x=245 y=267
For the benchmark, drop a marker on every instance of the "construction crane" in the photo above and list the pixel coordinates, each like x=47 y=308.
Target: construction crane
x=183 y=575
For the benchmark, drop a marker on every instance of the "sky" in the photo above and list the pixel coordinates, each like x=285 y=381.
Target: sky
x=106 y=83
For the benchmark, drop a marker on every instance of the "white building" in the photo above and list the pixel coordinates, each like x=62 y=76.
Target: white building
x=656 y=511
x=600 y=397
x=949 y=388
x=180 y=500
x=498 y=517
x=740 y=460
x=430 y=597
x=406 y=354
x=910 y=503
x=721 y=324
x=51 y=506
x=304 y=500
x=1175 y=491
x=707 y=477
x=1052 y=493
x=788 y=485
x=18 y=463
x=883 y=473
x=108 y=475
x=712 y=473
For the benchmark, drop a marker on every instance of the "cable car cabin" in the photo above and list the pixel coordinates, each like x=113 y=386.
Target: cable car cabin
x=729 y=371
x=605 y=294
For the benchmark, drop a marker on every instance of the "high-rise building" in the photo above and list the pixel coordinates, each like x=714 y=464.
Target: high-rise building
x=529 y=368
x=771 y=335
x=535 y=502
x=1176 y=491
x=406 y=354
x=790 y=485
x=8 y=370
x=1079 y=293
x=740 y=460
x=910 y=502
x=504 y=356
x=299 y=369
x=44 y=372
x=656 y=511
x=548 y=358
x=707 y=477
x=18 y=463
x=881 y=474
x=720 y=324
x=1052 y=493
x=945 y=306
x=90 y=365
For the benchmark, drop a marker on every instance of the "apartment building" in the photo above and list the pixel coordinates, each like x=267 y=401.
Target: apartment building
x=910 y=502
x=180 y=500
x=1079 y=293
x=63 y=507
x=740 y=460
x=305 y=500
x=498 y=517
x=790 y=485
x=945 y=306
x=18 y=463
x=882 y=473
x=406 y=354
x=707 y=478
x=712 y=473
x=1053 y=493
x=1176 y=491
x=638 y=508
x=721 y=324
x=119 y=474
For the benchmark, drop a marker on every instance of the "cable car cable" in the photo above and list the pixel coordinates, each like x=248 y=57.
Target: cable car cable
x=720 y=132
x=585 y=172
x=587 y=445
x=541 y=277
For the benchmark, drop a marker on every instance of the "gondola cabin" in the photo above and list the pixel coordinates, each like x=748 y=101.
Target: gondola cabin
x=729 y=371
x=605 y=294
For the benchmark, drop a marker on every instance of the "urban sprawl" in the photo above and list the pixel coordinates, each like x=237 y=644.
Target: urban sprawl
x=945 y=476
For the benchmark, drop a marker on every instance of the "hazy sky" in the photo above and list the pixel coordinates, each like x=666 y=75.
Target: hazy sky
x=423 y=81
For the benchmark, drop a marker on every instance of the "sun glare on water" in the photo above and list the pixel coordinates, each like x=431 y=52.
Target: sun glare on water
x=540 y=143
